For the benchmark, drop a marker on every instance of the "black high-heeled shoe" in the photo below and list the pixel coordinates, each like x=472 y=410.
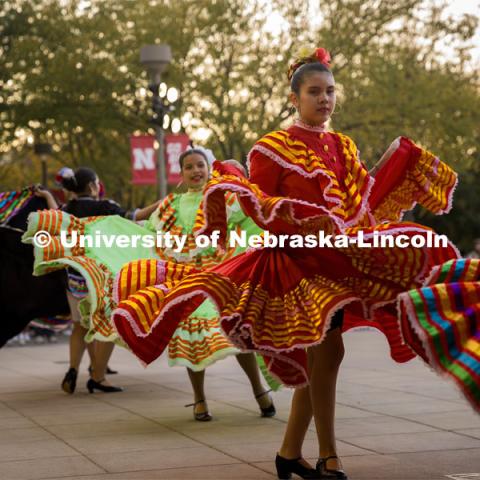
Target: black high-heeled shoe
x=69 y=382
x=92 y=385
x=286 y=467
x=200 y=417
x=269 y=411
x=328 y=472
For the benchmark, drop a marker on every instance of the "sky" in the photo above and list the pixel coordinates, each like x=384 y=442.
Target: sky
x=460 y=7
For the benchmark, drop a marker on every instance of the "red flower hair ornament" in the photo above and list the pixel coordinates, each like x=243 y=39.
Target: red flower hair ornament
x=304 y=56
x=323 y=56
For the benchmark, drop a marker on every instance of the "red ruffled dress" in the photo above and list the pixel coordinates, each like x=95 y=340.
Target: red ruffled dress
x=278 y=301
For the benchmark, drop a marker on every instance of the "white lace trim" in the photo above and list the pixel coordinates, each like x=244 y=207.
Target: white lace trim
x=245 y=192
x=310 y=128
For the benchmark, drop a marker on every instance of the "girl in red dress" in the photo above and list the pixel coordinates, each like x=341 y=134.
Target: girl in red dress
x=292 y=303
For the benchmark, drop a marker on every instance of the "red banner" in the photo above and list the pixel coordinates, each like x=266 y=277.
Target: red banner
x=144 y=160
x=175 y=145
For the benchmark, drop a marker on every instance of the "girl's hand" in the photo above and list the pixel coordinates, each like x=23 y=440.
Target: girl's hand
x=386 y=156
x=42 y=192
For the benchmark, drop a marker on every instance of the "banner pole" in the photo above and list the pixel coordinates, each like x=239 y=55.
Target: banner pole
x=161 y=167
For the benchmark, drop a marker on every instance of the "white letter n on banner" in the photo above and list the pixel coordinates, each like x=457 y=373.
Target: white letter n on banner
x=143 y=159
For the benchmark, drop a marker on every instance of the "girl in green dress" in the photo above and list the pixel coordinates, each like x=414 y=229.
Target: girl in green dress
x=198 y=341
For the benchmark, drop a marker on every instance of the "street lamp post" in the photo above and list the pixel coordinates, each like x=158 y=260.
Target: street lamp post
x=155 y=59
x=43 y=150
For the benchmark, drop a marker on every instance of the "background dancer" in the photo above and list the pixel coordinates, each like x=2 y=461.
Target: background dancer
x=85 y=184
x=198 y=341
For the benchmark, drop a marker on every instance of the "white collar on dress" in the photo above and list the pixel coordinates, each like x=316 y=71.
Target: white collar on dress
x=310 y=128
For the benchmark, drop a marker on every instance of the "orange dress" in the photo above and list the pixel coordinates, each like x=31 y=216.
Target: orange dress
x=278 y=301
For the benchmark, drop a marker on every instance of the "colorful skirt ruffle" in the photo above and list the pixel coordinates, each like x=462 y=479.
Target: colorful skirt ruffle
x=278 y=301
x=97 y=265
x=441 y=322
x=198 y=340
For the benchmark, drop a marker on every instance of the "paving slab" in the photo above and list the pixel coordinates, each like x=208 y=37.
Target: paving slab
x=47 y=468
x=162 y=459
x=423 y=442
x=234 y=472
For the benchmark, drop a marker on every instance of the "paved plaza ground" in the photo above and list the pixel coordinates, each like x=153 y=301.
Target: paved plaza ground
x=398 y=422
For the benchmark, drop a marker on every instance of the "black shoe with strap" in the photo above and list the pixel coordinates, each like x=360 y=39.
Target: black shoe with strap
x=69 y=382
x=266 y=411
x=329 y=472
x=285 y=468
x=200 y=417
x=93 y=385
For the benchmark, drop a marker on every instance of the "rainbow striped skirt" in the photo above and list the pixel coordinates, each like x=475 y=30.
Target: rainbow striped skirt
x=441 y=323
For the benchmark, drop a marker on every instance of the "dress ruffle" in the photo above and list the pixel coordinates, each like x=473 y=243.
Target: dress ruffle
x=196 y=343
x=411 y=175
x=441 y=322
x=278 y=301
x=96 y=266
x=345 y=199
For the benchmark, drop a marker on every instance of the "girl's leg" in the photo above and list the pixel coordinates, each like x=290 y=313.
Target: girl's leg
x=197 y=379
x=77 y=338
x=249 y=365
x=101 y=356
x=297 y=426
x=91 y=348
x=77 y=345
x=324 y=363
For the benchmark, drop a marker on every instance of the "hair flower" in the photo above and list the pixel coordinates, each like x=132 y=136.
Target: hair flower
x=63 y=174
x=323 y=56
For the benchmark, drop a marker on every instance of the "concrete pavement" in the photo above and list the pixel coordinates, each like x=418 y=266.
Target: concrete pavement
x=398 y=422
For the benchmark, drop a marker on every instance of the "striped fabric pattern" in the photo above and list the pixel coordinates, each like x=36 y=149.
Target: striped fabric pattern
x=197 y=343
x=281 y=313
x=12 y=202
x=357 y=183
x=165 y=220
x=97 y=307
x=137 y=318
x=277 y=303
x=441 y=321
x=276 y=214
x=427 y=181
x=197 y=340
